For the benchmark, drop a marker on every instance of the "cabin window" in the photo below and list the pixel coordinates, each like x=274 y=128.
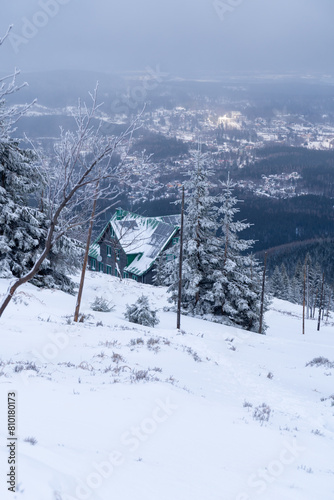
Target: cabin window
x=125 y=274
x=101 y=267
x=108 y=251
x=118 y=253
x=116 y=272
x=93 y=264
x=108 y=269
x=134 y=277
x=176 y=240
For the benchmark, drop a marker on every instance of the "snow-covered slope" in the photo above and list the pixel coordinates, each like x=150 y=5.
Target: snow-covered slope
x=121 y=411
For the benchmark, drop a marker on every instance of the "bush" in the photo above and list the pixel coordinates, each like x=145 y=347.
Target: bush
x=320 y=361
x=101 y=305
x=140 y=313
x=31 y=440
x=262 y=413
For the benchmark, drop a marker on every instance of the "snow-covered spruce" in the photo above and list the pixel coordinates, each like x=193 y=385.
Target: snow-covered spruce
x=101 y=305
x=201 y=246
x=218 y=277
x=140 y=313
x=237 y=277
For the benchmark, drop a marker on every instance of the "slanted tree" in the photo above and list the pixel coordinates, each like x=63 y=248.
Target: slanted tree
x=82 y=159
x=23 y=226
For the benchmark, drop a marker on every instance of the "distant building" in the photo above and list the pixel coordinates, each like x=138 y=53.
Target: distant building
x=130 y=244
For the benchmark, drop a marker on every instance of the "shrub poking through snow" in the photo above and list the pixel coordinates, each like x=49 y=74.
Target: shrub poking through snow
x=101 y=305
x=140 y=313
x=320 y=361
x=139 y=375
x=31 y=440
x=138 y=341
x=262 y=413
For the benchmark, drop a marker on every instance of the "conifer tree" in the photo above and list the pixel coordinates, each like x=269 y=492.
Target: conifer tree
x=236 y=278
x=276 y=283
x=218 y=278
x=286 y=286
x=201 y=247
x=141 y=313
x=166 y=266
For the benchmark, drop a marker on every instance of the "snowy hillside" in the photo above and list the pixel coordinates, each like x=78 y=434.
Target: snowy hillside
x=107 y=409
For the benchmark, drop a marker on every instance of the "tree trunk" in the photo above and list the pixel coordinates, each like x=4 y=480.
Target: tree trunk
x=83 y=271
x=27 y=277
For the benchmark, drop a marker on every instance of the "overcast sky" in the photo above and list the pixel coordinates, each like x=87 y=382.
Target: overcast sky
x=183 y=37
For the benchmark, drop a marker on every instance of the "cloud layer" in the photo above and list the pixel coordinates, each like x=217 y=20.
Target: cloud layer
x=184 y=37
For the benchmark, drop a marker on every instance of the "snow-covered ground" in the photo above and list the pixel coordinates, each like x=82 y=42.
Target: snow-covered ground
x=109 y=410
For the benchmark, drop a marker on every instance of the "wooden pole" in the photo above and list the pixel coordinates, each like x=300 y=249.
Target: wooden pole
x=178 y=322
x=262 y=293
x=83 y=271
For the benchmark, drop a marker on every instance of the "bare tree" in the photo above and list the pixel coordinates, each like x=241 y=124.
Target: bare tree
x=82 y=159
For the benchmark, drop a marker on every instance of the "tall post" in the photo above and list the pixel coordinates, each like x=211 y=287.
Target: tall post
x=83 y=271
x=321 y=299
x=262 y=293
x=178 y=323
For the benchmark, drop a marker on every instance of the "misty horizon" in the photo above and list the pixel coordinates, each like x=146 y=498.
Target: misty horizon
x=182 y=39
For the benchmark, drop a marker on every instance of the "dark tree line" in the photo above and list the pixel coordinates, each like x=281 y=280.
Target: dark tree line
x=317 y=291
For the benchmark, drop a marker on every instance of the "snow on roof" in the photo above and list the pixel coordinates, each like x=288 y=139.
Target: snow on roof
x=94 y=250
x=173 y=220
x=144 y=237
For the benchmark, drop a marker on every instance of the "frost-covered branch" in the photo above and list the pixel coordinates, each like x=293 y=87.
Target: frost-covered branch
x=6 y=34
x=10 y=115
x=82 y=159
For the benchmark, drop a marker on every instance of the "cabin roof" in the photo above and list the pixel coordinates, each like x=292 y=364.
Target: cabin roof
x=145 y=237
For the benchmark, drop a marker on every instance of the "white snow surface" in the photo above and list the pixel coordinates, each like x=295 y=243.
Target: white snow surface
x=121 y=411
